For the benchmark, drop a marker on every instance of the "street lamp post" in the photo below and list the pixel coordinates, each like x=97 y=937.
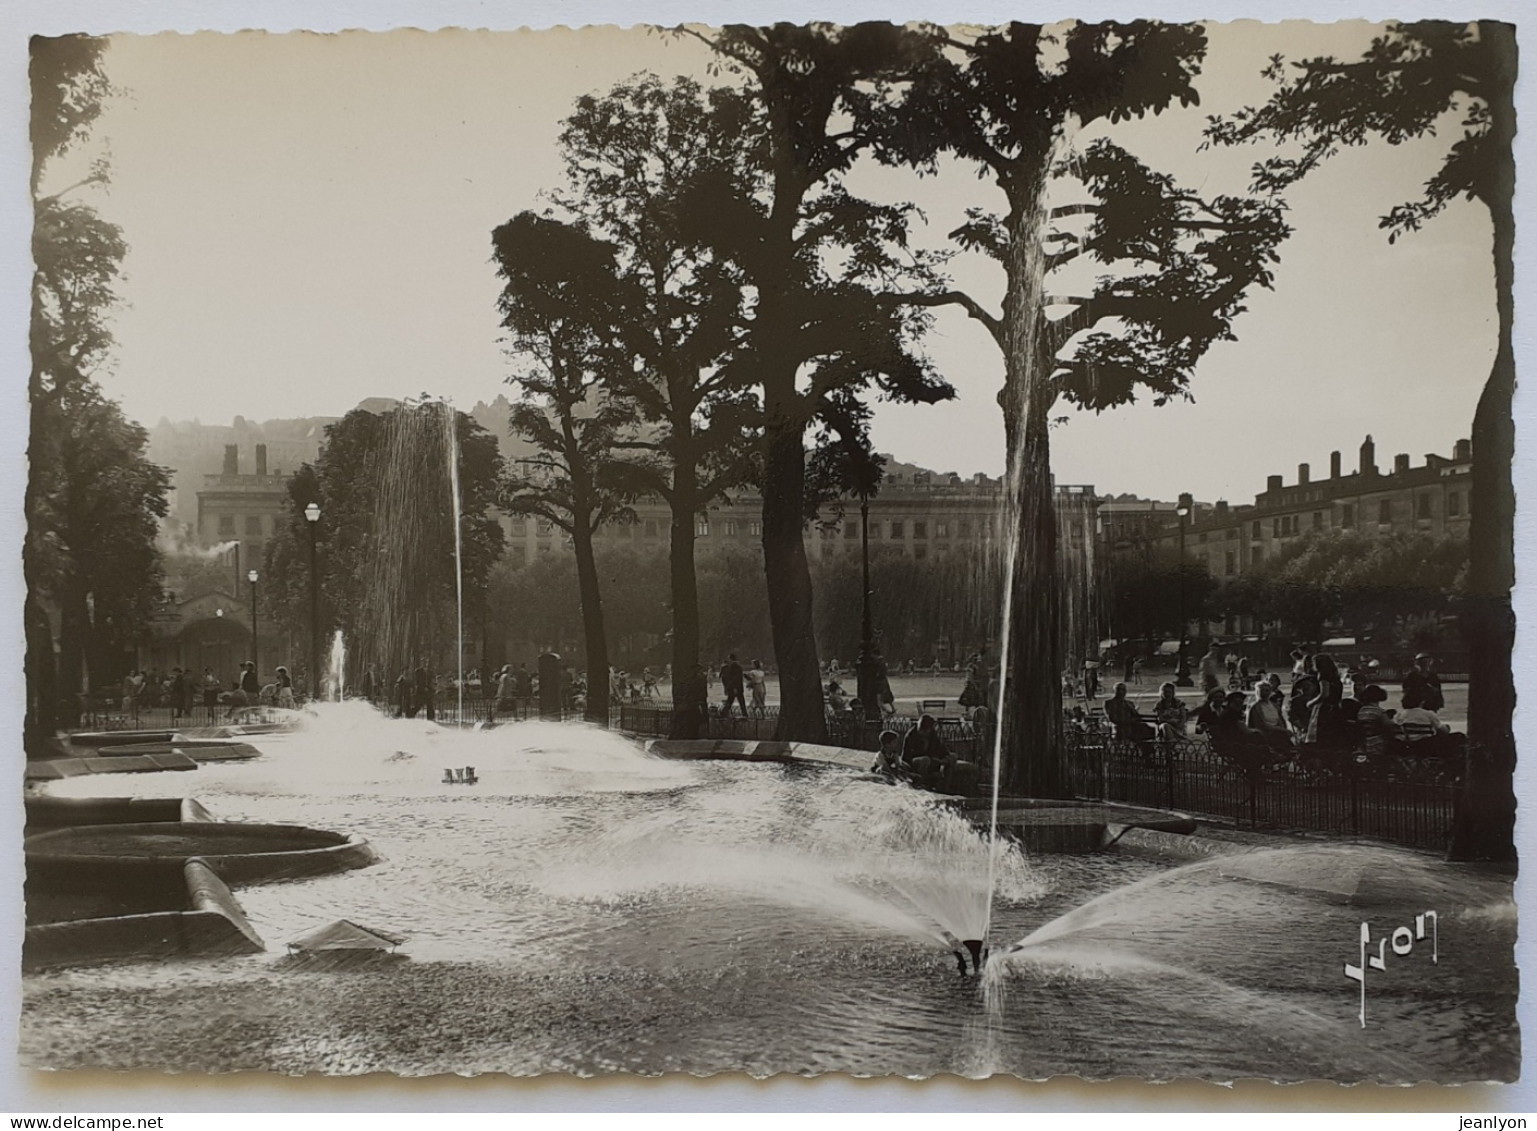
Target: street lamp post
x=251 y=576
x=312 y=515
x=1182 y=672
x=866 y=668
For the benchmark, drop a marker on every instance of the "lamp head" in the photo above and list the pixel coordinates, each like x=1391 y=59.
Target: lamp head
x=312 y=512
x=1186 y=505
x=251 y=576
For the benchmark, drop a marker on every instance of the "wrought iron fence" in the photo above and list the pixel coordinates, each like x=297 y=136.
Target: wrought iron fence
x=1397 y=800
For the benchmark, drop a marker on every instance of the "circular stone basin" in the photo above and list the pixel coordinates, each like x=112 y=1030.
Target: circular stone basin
x=237 y=851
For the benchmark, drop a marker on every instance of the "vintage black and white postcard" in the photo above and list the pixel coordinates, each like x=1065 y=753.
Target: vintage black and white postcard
x=955 y=548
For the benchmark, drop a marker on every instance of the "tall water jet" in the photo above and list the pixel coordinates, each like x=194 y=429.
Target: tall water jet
x=410 y=605
x=336 y=669
x=451 y=426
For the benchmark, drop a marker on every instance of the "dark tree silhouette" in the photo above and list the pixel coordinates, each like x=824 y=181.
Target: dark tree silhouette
x=560 y=301
x=642 y=164
x=820 y=262
x=92 y=498
x=1004 y=100
x=1408 y=82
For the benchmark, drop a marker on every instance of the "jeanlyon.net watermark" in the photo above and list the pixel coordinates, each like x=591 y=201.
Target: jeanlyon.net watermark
x=1402 y=941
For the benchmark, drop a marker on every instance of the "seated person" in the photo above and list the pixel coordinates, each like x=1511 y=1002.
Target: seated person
x=835 y=696
x=1265 y=718
x=926 y=755
x=1171 y=713
x=1210 y=713
x=1374 y=725
x=1230 y=735
x=1418 y=721
x=1123 y=713
x=888 y=759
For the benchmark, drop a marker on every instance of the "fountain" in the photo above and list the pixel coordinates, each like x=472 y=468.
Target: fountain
x=587 y=907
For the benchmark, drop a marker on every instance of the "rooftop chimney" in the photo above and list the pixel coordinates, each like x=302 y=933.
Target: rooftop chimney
x=231 y=459
x=1273 y=483
x=1400 y=463
x=1302 y=473
x=1221 y=508
x=1462 y=451
x=1368 y=457
x=261 y=459
x=1334 y=465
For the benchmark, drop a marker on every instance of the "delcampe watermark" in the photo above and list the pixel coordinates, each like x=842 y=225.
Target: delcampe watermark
x=1402 y=940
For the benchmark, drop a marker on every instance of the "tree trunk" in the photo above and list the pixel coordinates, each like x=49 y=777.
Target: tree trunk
x=1484 y=827
x=1030 y=714
x=42 y=719
x=685 y=596
x=598 y=683
x=73 y=623
x=802 y=717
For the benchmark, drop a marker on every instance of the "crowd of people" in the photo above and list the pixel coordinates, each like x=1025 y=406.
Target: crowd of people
x=1325 y=717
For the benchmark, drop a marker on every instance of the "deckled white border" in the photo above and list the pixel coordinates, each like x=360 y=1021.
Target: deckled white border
x=145 y=1092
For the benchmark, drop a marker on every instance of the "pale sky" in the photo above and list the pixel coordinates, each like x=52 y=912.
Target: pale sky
x=309 y=220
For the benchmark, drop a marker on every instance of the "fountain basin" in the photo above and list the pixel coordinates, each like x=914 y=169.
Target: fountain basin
x=199 y=750
x=188 y=914
x=91 y=858
x=45 y=813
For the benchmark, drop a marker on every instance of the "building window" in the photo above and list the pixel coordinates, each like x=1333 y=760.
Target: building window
x=1258 y=555
x=920 y=551
x=896 y=530
x=1385 y=512
x=651 y=528
x=226 y=526
x=1275 y=528
x=851 y=530
x=1254 y=530
x=702 y=526
x=1318 y=520
x=755 y=528
x=1230 y=563
x=1348 y=515
x=730 y=525
x=941 y=530
x=1424 y=506
x=920 y=530
x=1453 y=504
x=517 y=527
x=964 y=529
x=253 y=526
x=546 y=528
x=519 y=554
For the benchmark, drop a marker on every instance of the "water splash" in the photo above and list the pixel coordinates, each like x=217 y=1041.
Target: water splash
x=336 y=669
x=451 y=426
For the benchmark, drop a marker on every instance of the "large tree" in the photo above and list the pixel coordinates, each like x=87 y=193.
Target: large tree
x=560 y=302
x=820 y=262
x=1007 y=100
x=92 y=498
x=643 y=163
x=1416 y=79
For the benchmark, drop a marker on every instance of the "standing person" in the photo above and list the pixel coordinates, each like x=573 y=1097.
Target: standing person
x=648 y=683
x=250 y=683
x=1211 y=669
x=883 y=692
x=1128 y=666
x=178 y=694
x=425 y=691
x=1423 y=685
x=1303 y=691
x=1324 y=714
x=1091 y=679
x=404 y=707
x=757 y=683
x=524 y=684
x=505 y=689
x=691 y=699
x=731 y=683
x=131 y=684
x=285 y=688
x=210 y=688
x=370 y=684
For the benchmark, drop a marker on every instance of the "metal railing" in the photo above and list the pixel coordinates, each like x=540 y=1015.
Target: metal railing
x=1394 y=799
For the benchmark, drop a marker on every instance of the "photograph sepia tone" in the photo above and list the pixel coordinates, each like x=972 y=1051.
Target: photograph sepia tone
x=893 y=550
